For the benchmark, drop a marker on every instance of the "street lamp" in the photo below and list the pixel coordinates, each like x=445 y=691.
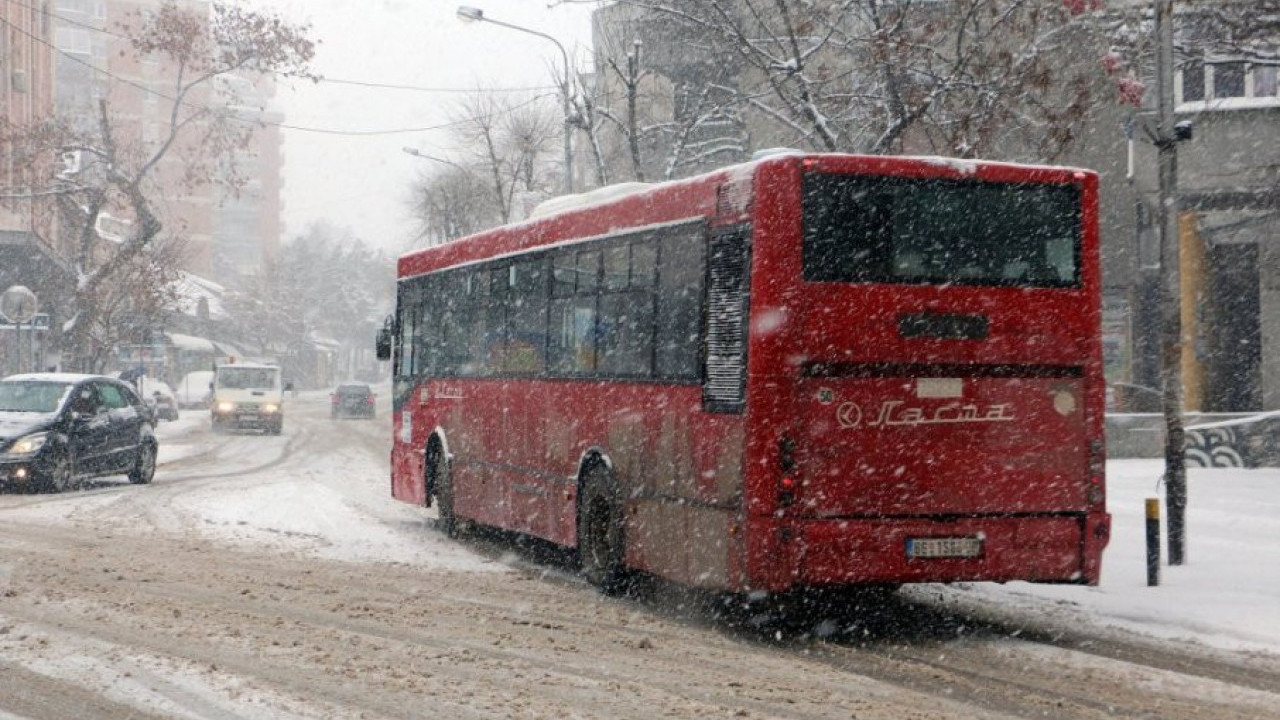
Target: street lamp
x=418 y=153
x=473 y=14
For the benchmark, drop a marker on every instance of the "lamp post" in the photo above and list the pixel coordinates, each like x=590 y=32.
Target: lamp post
x=473 y=14
x=418 y=153
x=1169 y=133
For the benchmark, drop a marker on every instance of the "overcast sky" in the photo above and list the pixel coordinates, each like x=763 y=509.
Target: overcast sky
x=359 y=180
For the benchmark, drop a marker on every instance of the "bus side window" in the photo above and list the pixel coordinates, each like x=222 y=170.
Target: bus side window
x=571 y=346
x=679 y=320
x=452 y=335
x=574 y=325
x=410 y=303
x=526 y=319
x=426 y=351
x=627 y=312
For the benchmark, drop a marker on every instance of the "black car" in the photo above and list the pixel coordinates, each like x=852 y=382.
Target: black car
x=59 y=429
x=352 y=400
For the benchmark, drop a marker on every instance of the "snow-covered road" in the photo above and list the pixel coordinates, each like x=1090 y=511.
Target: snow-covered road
x=273 y=577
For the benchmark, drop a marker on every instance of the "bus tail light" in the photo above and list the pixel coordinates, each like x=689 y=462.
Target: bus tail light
x=1096 y=494
x=787 y=465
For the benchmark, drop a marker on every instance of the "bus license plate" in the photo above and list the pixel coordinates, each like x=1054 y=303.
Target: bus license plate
x=952 y=547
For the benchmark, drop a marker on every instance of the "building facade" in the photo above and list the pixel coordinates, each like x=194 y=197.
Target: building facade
x=29 y=242
x=224 y=235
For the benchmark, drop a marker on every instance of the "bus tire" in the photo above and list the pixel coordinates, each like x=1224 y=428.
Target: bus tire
x=442 y=488
x=601 y=535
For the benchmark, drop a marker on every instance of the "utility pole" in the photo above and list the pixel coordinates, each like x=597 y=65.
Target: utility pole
x=1168 y=134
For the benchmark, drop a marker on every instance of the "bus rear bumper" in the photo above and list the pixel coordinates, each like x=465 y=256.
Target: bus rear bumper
x=1038 y=548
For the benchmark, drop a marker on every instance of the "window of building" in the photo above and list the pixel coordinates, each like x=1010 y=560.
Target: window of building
x=1228 y=80
x=74 y=40
x=1227 y=84
x=1265 y=80
x=1193 y=76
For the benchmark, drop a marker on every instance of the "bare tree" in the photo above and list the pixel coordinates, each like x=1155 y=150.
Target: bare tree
x=508 y=141
x=452 y=203
x=506 y=144
x=113 y=180
x=135 y=302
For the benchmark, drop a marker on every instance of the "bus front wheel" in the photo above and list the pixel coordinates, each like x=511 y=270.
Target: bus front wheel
x=442 y=488
x=601 y=536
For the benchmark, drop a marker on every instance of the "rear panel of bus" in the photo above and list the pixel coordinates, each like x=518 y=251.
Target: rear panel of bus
x=925 y=392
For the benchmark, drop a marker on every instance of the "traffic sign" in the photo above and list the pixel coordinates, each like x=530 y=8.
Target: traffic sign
x=39 y=321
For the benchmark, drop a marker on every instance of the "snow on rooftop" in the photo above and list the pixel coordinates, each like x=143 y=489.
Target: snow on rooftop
x=53 y=377
x=191 y=342
x=191 y=289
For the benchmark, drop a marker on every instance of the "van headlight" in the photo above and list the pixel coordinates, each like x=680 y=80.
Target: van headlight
x=226 y=407
x=270 y=408
x=28 y=445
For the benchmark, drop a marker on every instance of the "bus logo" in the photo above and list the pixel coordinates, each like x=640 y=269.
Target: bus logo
x=849 y=415
x=895 y=413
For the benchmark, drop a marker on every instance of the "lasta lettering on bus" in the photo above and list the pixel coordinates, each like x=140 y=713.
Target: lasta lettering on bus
x=449 y=392
x=897 y=413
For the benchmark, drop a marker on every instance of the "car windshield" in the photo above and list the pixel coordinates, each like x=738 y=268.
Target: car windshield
x=245 y=378
x=32 y=396
x=353 y=389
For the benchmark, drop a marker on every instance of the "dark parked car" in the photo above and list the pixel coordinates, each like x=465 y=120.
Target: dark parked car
x=352 y=400
x=58 y=429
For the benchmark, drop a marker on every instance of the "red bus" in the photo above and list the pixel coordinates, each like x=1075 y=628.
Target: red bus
x=807 y=371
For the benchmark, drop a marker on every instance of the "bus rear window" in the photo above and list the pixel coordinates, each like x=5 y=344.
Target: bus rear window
x=861 y=229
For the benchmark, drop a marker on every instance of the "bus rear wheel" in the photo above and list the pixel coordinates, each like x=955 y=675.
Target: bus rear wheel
x=601 y=536
x=442 y=488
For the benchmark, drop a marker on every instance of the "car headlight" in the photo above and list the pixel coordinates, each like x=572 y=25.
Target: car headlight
x=270 y=408
x=226 y=407
x=28 y=445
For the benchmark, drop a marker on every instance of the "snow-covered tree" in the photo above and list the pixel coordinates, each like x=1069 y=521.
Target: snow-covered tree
x=954 y=77
x=326 y=285
x=658 y=111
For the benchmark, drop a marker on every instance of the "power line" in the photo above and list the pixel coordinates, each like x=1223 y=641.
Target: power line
x=221 y=112
x=421 y=88
x=321 y=79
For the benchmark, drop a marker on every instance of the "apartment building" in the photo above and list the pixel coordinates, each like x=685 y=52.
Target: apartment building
x=29 y=252
x=223 y=235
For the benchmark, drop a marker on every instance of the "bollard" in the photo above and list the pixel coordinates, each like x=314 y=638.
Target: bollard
x=1153 y=542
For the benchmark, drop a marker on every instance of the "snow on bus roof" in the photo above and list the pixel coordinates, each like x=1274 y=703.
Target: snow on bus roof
x=557 y=205
x=741 y=171
x=566 y=204
x=967 y=166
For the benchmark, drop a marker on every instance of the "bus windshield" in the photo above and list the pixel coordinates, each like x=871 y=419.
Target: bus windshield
x=860 y=229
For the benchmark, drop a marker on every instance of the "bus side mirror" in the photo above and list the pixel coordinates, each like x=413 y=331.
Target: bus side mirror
x=384 y=344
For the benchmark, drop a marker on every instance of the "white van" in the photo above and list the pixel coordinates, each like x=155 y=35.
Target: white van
x=247 y=395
